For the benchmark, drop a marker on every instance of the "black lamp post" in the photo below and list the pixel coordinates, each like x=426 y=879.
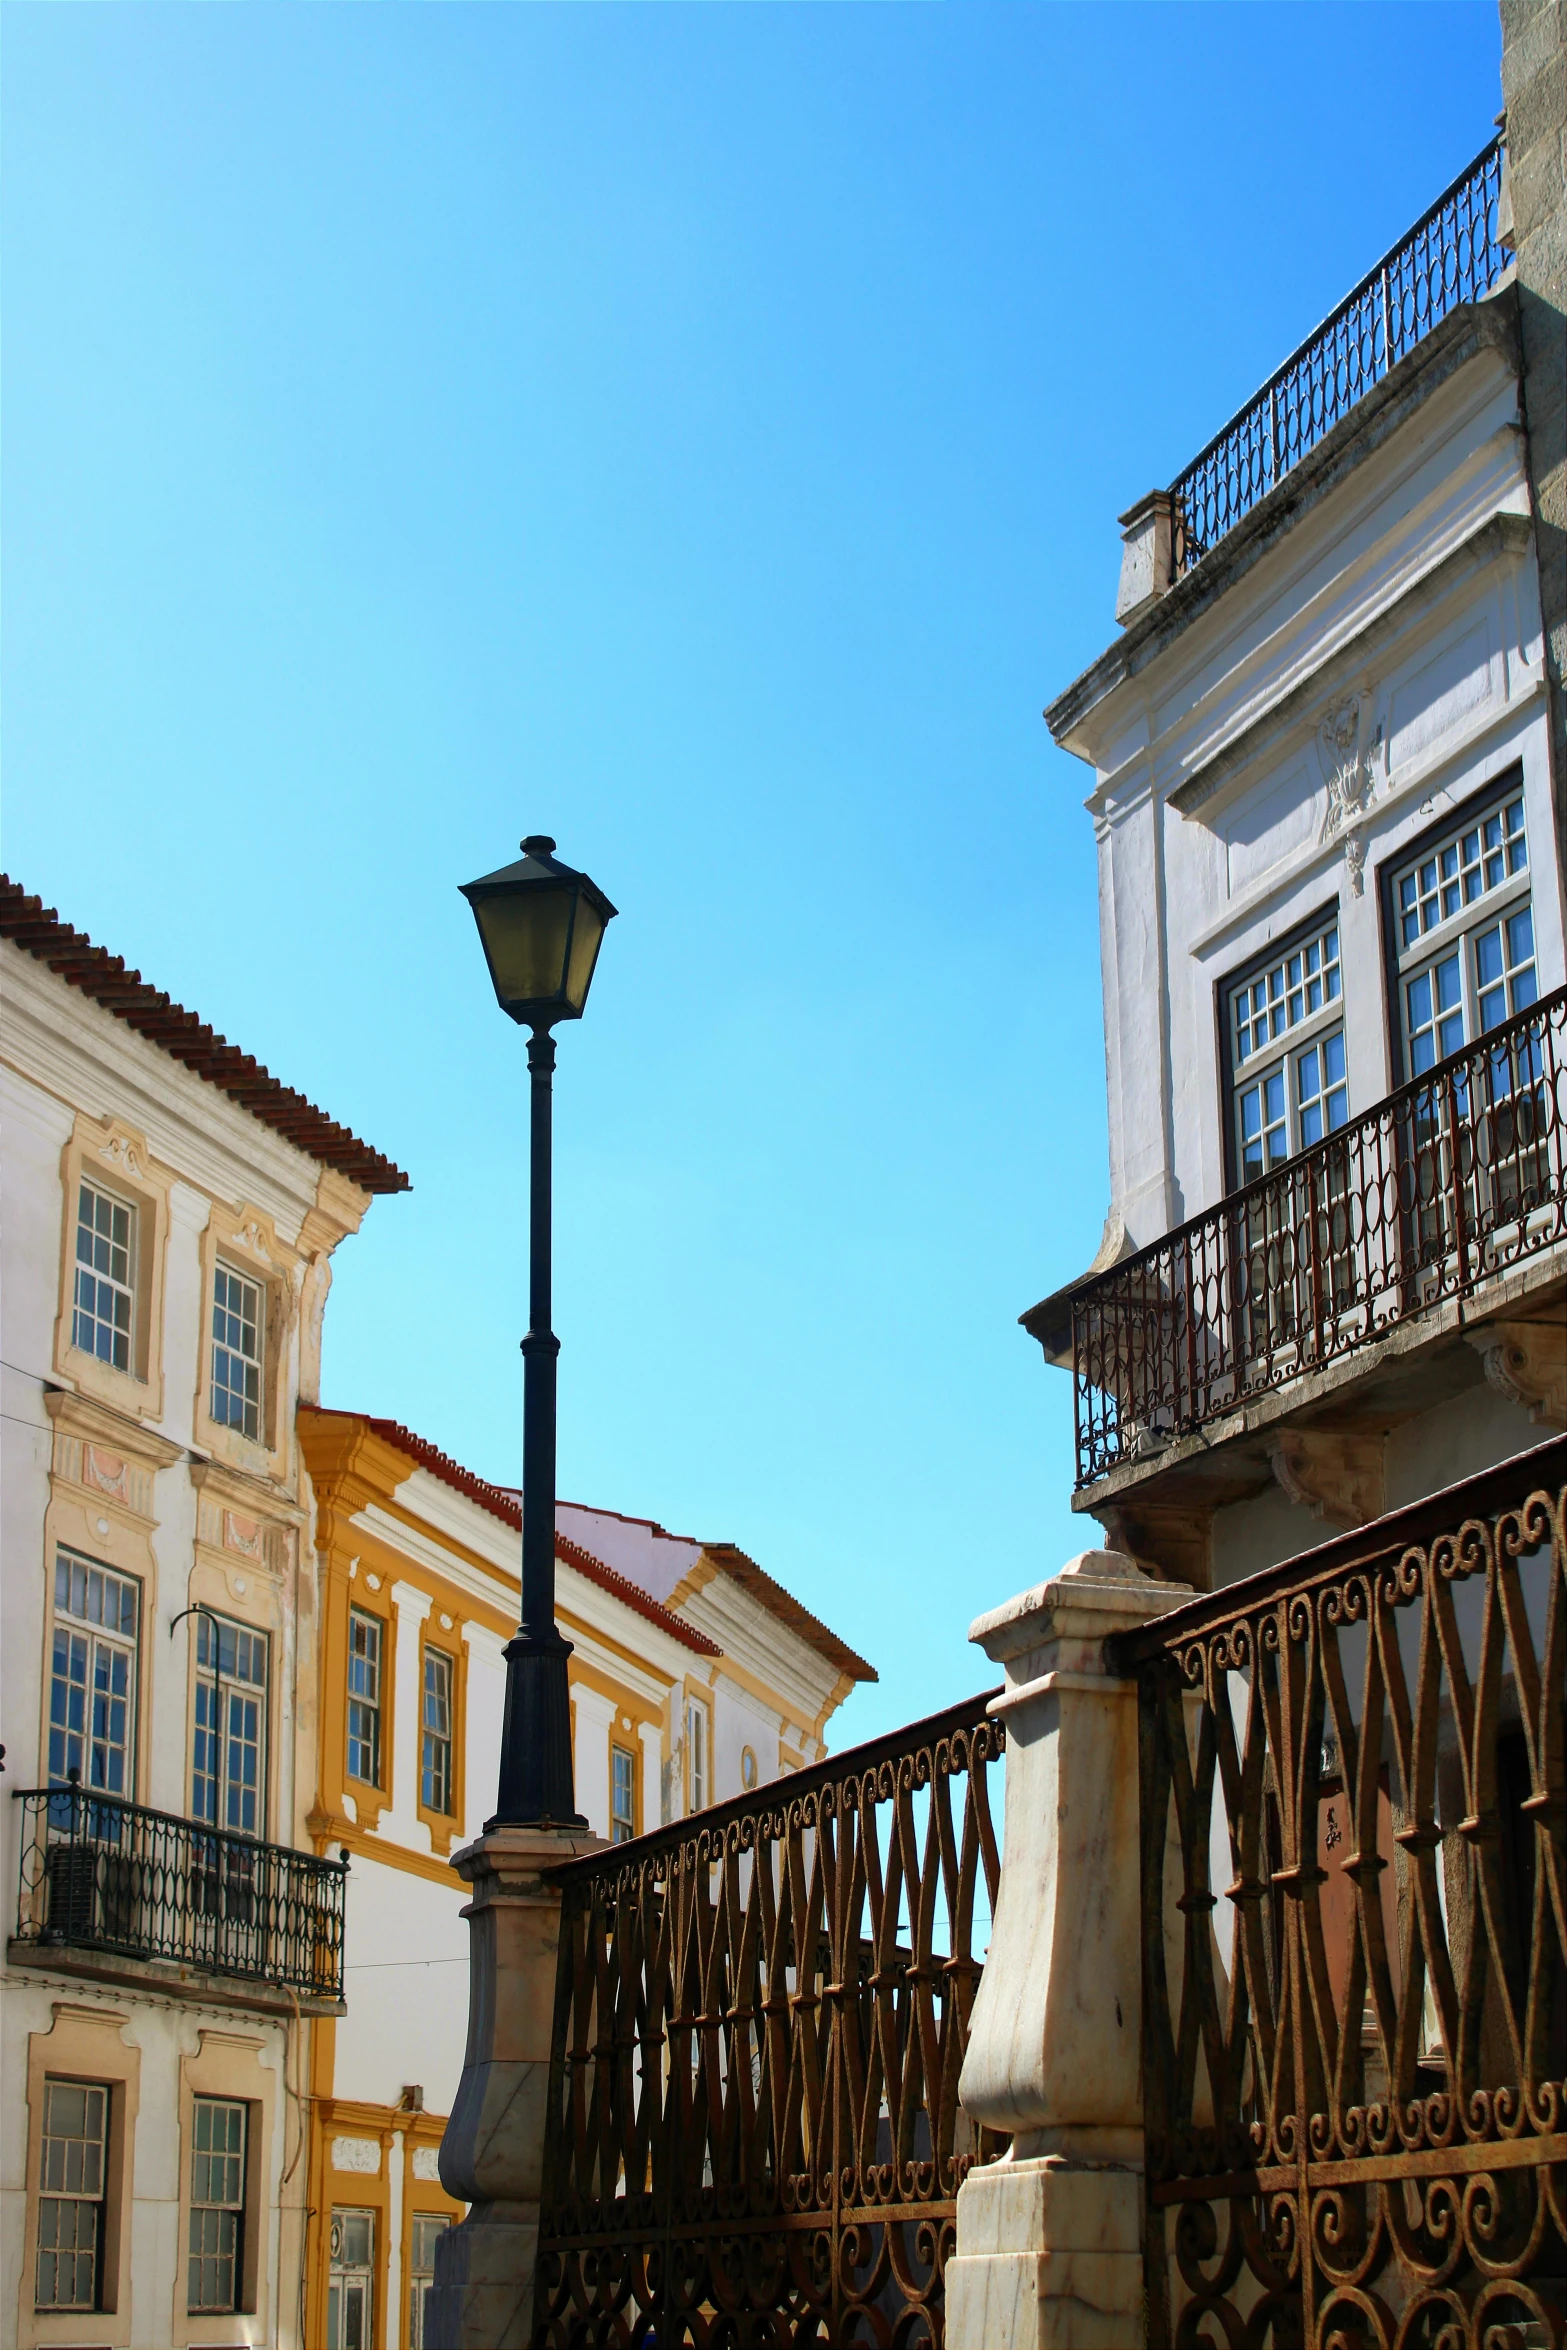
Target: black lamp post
x=541 y=925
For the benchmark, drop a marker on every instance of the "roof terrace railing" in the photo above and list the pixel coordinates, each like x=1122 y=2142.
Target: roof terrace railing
x=1452 y=256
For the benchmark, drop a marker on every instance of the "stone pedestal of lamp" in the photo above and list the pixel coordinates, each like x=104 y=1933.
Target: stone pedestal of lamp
x=1049 y=2239
x=492 y=2156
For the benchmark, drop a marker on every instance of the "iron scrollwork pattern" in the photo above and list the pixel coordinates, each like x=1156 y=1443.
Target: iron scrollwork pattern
x=754 y=2135
x=1355 y=1937
x=1446 y=1183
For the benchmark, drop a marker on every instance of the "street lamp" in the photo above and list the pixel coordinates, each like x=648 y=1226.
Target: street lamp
x=541 y=925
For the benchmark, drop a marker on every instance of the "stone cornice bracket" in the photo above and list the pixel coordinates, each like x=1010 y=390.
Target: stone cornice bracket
x=1527 y=1363
x=1337 y=1475
x=1170 y=1540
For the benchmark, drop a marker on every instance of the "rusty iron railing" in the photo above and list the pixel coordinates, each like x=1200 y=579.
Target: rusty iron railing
x=1355 y=1935
x=98 y=1874
x=1445 y=1183
x=754 y=2133
x=1453 y=255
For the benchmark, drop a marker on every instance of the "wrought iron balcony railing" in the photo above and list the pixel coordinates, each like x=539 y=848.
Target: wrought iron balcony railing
x=97 y=1874
x=1446 y=1183
x=1452 y=256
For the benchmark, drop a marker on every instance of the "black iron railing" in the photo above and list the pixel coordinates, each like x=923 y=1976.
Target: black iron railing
x=98 y=1874
x=1444 y=1184
x=761 y=2013
x=1453 y=256
x=1354 y=1957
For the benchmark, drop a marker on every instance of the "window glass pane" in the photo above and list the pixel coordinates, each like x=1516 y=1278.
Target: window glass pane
x=237 y=1333
x=364 y=1697
x=217 y=2202
x=92 y=1689
x=1466 y=867
x=228 y=1773
x=1296 y=987
x=102 y=1296
x=73 y=2167
x=436 y=1755
x=623 y=1783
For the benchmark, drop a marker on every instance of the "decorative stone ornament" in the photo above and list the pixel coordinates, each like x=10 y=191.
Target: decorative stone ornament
x=1147 y=555
x=1049 y=2238
x=1349 y=771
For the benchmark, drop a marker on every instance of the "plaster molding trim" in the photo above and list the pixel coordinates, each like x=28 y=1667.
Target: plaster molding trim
x=1338 y=1476
x=1527 y=1363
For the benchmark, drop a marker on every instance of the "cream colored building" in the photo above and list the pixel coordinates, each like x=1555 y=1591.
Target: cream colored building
x=693 y=1677
x=169 y=1216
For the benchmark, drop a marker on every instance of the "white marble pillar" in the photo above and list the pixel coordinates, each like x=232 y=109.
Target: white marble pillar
x=492 y=2155
x=652 y=1767
x=1049 y=2249
x=400 y=1821
x=595 y=1720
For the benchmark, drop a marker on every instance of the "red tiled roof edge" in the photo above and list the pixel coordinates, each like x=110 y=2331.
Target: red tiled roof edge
x=501 y=1504
x=788 y=1610
x=72 y=956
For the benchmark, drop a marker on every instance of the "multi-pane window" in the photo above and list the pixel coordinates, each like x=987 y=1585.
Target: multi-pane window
x=428 y=2229
x=229 y=1733
x=696 y=1753
x=435 y=1764
x=237 y=1335
x=103 y=1300
x=1287 y=1076
x=72 y=2179
x=1464 y=935
x=350 y=2289
x=364 y=1697
x=622 y=1794
x=215 y=2270
x=92 y=1684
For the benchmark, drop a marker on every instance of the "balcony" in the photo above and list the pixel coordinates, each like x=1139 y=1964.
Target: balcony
x=111 y=1887
x=1453 y=255
x=1441 y=1192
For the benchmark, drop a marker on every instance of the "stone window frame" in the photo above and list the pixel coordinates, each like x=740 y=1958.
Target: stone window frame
x=84 y=2043
x=444 y=1827
x=246 y=1239
x=114 y=1158
x=228 y=2065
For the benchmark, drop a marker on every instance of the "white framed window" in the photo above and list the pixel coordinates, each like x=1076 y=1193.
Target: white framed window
x=238 y=1336
x=364 y=1697
x=350 y=2287
x=229 y=1731
x=92 y=1679
x=622 y=1794
x=72 y=2183
x=697 y=1773
x=103 y=1302
x=1284 y=1029
x=435 y=1760
x=216 y=2250
x=1463 y=933
x=428 y=2229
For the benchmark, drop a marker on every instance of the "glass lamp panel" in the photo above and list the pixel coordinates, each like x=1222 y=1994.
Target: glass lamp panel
x=586 y=938
x=525 y=936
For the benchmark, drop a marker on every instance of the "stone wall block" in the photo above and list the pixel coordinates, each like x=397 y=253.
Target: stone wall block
x=1049 y=2238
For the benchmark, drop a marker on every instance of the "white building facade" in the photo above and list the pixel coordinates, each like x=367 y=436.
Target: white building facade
x=169 y=1213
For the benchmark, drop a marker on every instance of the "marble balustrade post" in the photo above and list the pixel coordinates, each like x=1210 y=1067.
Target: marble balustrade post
x=492 y=2155
x=1049 y=2239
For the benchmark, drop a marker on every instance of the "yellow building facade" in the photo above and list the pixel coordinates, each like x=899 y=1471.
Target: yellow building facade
x=693 y=1675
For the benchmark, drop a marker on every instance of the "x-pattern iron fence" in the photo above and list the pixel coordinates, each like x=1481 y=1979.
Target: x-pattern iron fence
x=1355 y=1936
x=1452 y=256
x=754 y=2135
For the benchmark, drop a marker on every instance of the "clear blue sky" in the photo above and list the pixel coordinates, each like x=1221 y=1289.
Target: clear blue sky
x=697 y=433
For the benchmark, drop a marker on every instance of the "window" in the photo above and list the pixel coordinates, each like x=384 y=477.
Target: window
x=350 y=2281
x=364 y=1697
x=622 y=1794
x=103 y=1302
x=92 y=1688
x=428 y=2229
x=73 y=2175
x=1463 y=935
x=237 y=1333
x=217 y=2203
x=1284 y=1020
x=435 y=1765
x=229 y=1752
x=696 y=1753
